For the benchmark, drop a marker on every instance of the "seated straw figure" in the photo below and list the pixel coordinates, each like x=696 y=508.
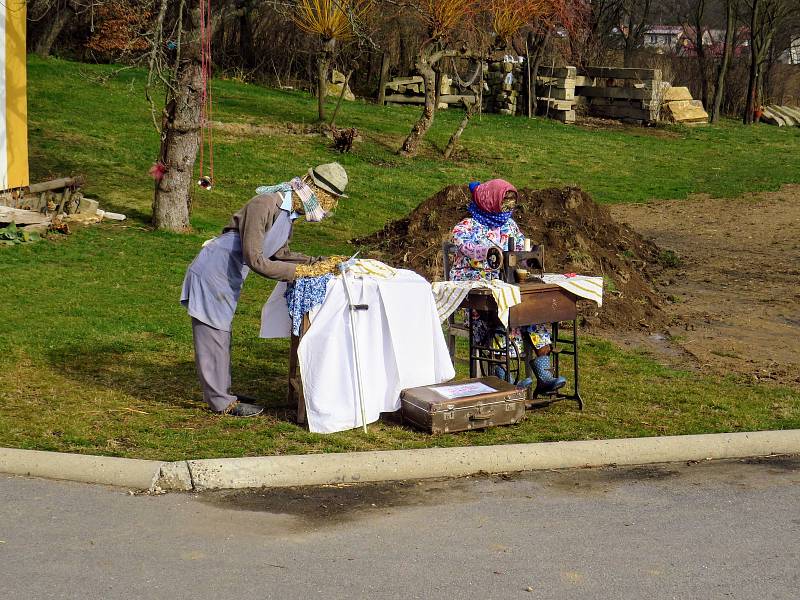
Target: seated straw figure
x=480 y=240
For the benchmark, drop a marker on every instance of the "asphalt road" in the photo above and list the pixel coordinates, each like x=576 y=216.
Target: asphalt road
x=701 y=531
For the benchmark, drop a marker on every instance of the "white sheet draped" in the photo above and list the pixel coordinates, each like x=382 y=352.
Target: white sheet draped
x=400 y=341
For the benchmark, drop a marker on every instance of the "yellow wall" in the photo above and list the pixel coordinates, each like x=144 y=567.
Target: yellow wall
x=16 y=109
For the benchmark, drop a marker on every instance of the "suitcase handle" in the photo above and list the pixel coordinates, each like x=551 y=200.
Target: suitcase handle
x=482 y=416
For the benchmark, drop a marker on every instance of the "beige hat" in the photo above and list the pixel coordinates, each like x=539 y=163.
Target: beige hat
x=331 y=177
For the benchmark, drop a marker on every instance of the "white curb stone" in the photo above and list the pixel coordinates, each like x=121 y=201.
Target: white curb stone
x=105 y=470
x=318 y=469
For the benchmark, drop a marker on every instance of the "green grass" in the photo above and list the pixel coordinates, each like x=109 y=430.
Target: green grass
x=96 y=354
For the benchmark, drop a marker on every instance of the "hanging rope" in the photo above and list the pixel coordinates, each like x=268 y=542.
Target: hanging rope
x=463 y=85
x=206 y=102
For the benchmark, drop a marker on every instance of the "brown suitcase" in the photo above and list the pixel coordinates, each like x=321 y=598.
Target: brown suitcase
x=463 y=405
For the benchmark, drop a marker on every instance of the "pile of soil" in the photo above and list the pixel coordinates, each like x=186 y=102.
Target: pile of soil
x=578 y=234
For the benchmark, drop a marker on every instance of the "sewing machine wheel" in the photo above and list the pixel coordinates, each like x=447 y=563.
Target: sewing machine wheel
x=498 y=352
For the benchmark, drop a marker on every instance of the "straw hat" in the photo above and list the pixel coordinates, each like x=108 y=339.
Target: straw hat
x=331 y=177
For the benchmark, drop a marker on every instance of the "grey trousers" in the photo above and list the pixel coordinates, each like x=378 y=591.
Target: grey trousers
x=212 y=357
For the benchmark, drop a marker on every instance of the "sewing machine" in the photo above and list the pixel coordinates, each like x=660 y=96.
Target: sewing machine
x=520 y=266
x=541 y=303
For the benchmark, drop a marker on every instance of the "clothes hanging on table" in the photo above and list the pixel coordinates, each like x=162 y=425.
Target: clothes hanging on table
x=450 y=294
x=276 y=317
x=304 y=294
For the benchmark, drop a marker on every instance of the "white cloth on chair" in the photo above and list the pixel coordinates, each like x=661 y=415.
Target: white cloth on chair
x=400 y=341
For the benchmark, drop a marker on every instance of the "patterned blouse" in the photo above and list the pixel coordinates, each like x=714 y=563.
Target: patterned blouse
x=473 y=241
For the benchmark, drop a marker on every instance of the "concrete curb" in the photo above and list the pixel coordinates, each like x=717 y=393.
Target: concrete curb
x=317 y=469
x=105 y=470
x=392 y=465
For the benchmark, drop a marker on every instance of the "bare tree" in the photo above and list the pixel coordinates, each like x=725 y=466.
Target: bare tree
x=764 y=18
x=692 y=15
x=330 y=21
x=440 y=17
x=47 y=19
x=633 y=25
x=594 y=31
x=731 y=13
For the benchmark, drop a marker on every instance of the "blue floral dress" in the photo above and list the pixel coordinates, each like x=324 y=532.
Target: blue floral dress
x=473 y=241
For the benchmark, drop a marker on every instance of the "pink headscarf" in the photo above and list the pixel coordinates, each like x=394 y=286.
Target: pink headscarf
x=489 y=195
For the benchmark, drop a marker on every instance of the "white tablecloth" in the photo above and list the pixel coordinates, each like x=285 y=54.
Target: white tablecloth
x=400 y=340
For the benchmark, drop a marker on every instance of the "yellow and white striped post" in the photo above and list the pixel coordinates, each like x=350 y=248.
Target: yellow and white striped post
x=13 y=97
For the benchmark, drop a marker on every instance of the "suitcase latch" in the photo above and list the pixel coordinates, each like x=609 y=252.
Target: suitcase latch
x=450 y=414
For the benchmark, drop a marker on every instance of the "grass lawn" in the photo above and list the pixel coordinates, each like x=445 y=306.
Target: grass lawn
x=96 y=354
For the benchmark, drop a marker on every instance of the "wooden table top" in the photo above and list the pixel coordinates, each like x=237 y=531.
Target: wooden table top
x=541 y=303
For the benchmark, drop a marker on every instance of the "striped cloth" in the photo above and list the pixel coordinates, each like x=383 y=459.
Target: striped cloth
x=582 y=286
x=369 y=267
x=450 y=294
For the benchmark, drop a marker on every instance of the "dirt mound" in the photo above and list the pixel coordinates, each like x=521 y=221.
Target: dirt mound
x=578 y=234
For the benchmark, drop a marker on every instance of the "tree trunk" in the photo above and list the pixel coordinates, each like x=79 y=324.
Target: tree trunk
x=437 y=86
x=382 y=79
x=540 y=41
x=471 y=110
x=346 y=83
x=722 y=72
x=323 y=65
x=51 y=31
x=752 y=80
x=179 y=136
x=630 y=43
x=425 y=64
x=246 y=51
x=702 y=62
x=627 y=60
x=423 y=124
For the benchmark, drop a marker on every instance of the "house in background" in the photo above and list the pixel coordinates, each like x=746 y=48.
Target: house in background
x=663 y=38
x=681 y=40
x=791 y=56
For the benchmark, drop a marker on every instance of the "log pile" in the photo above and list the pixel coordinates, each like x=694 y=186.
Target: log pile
x=631 y=95
x=411 y=90
x=50 y=205
x=555 y=92
x=782 y=116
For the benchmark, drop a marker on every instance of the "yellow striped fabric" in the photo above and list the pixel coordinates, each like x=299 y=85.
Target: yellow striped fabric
x=582 y=286
x=450 y=294
x=368 y=267
x=13 y=98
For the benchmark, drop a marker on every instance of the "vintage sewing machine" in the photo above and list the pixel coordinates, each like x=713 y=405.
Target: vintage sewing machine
x=541 y=303
x=521 y=266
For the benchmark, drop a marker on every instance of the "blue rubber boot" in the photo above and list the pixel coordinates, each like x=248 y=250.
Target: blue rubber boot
x=545 y=382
